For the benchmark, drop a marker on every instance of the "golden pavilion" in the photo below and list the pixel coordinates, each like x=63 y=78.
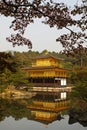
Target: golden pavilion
x=47 y=70
x=48 y=79
x=47 y=75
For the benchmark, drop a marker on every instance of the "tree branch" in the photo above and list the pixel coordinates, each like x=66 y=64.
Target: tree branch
x=9 y=4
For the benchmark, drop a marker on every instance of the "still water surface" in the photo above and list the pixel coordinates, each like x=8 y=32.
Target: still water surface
x=25 y=124
x=15 y=116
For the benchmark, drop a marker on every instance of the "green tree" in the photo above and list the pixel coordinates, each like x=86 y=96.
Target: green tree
x=20 y=79
x=7 y=61
x=7 y=67
x=10 y=72
x=79 y=91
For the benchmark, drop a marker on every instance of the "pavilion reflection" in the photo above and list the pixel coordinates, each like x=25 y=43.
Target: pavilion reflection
x=46 y=110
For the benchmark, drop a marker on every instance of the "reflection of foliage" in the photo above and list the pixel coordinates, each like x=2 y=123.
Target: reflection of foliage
x=14 y=108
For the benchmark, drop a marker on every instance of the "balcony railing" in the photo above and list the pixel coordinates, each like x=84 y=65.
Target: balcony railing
x=46 y=85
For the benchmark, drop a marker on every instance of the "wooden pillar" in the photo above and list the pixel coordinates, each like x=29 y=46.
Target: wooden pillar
x=31 y=80
x=43 y=80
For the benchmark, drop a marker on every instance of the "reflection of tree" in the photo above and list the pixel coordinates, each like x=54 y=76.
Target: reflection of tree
x=18 y=110
x=14 y=108
x=73 y=120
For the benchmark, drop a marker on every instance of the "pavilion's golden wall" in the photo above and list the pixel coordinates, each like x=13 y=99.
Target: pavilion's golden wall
x=47 y=73
x=46 y=62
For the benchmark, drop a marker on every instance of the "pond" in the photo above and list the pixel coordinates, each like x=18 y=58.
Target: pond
x=14 y=115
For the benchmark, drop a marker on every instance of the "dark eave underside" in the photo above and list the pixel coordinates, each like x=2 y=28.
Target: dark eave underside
x=43 y=67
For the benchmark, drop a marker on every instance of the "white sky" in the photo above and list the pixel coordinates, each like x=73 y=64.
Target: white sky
x=42 y=36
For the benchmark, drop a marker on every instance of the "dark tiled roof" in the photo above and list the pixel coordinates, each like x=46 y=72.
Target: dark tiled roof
x=47 y=56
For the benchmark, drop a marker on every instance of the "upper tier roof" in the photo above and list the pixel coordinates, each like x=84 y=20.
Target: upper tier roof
x=45 y=56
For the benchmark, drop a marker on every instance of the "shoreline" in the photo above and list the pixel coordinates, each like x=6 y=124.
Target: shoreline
x=16 y=94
